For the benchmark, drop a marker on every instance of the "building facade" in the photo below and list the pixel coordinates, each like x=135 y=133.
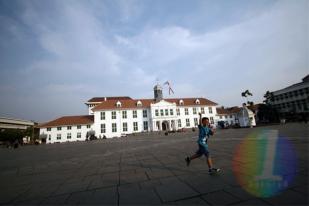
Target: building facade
x=292 y=99
x=119 y=116
x=243 y=117
x=226 y=116
x=11 y=123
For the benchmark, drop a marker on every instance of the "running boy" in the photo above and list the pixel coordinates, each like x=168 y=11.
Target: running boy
x=204 y=132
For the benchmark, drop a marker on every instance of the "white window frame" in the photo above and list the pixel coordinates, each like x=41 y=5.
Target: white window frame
x=145 y=115
x=124 y=126
x=134 y=114
x=114 y=115
x=187 y=122
x=135 y=126
x=194 y=110
x=114 y=127
x=186 y=111
x=103 y=128
x=202 y=110
x=145 y=124
x=195 y=122
x=210 y=110
x=124 y=114
x=102 y=115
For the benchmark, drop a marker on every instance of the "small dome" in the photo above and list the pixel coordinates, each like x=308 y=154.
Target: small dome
x=157 y=87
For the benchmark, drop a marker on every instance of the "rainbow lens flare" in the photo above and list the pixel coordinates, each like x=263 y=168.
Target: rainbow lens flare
x=264 y=163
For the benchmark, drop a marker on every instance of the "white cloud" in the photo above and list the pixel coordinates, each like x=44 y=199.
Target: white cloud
x=269 y=44
x=74 y=37
x=85 y=51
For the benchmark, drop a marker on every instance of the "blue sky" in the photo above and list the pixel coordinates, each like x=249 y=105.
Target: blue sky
x=54 y=55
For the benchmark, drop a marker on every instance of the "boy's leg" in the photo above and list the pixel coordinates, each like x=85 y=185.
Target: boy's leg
x=209 y=162
x=188 y=159
x=195 y=156
x=210 y=166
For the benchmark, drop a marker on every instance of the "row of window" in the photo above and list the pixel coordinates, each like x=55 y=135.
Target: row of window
x=69 y=136
x=124 y=127
x=226 y=116
x=68 y=127
x=167 y=112
x=124 y=114
x=145 y=124
x=135 y=127
x=290 y=105
x=164 y=112
x=295 y=93
x=195 y=122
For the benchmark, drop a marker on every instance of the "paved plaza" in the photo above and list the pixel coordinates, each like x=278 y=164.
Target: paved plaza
x=143 y=169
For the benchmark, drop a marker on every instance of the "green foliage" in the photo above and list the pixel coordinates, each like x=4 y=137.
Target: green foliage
x=268 y=113
x=246 y=93
x=12 y=134
x=269 y=97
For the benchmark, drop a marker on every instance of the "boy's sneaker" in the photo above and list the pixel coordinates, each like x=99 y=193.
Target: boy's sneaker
x=188 y=161
x=213 y=170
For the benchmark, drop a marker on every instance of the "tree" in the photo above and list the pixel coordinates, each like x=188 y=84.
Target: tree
x=11 y=134
x=267 y=113
x=269 y=97
x=245 y=94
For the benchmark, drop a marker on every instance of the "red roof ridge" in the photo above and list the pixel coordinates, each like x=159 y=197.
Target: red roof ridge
x=69 y=120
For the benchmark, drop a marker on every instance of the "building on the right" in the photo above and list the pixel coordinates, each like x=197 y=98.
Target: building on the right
x=291 y=101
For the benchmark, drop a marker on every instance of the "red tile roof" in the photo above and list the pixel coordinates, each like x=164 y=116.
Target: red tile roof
x=191 y=101
x=231 y=110
x=132 y=103
x=69 y=120
x=101 y=99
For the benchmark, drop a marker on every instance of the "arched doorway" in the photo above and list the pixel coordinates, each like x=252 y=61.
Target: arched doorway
x=165 y=126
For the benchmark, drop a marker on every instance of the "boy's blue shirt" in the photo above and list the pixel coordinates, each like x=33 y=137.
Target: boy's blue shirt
x=204 y=133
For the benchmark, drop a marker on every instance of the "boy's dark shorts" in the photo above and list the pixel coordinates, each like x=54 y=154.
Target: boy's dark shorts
x=202 y=151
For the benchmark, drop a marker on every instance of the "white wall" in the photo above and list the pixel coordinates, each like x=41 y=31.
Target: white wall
x=52 y=135
x=96 y=126
x=119 y=122
x=191 y=116
x=230 y=118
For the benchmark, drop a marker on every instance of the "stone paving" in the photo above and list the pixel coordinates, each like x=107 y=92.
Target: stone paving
x=145 y=169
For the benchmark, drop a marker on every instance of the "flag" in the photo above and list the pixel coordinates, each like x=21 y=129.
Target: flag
x=169 y=87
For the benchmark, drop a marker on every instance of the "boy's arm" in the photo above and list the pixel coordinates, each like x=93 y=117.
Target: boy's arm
x=200 y=121
x=212 y=130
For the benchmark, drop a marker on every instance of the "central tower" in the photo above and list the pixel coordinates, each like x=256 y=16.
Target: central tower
x=158 y=95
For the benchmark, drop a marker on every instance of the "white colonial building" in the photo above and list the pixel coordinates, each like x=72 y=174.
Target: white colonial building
x=244 y=117
x=117 y=116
